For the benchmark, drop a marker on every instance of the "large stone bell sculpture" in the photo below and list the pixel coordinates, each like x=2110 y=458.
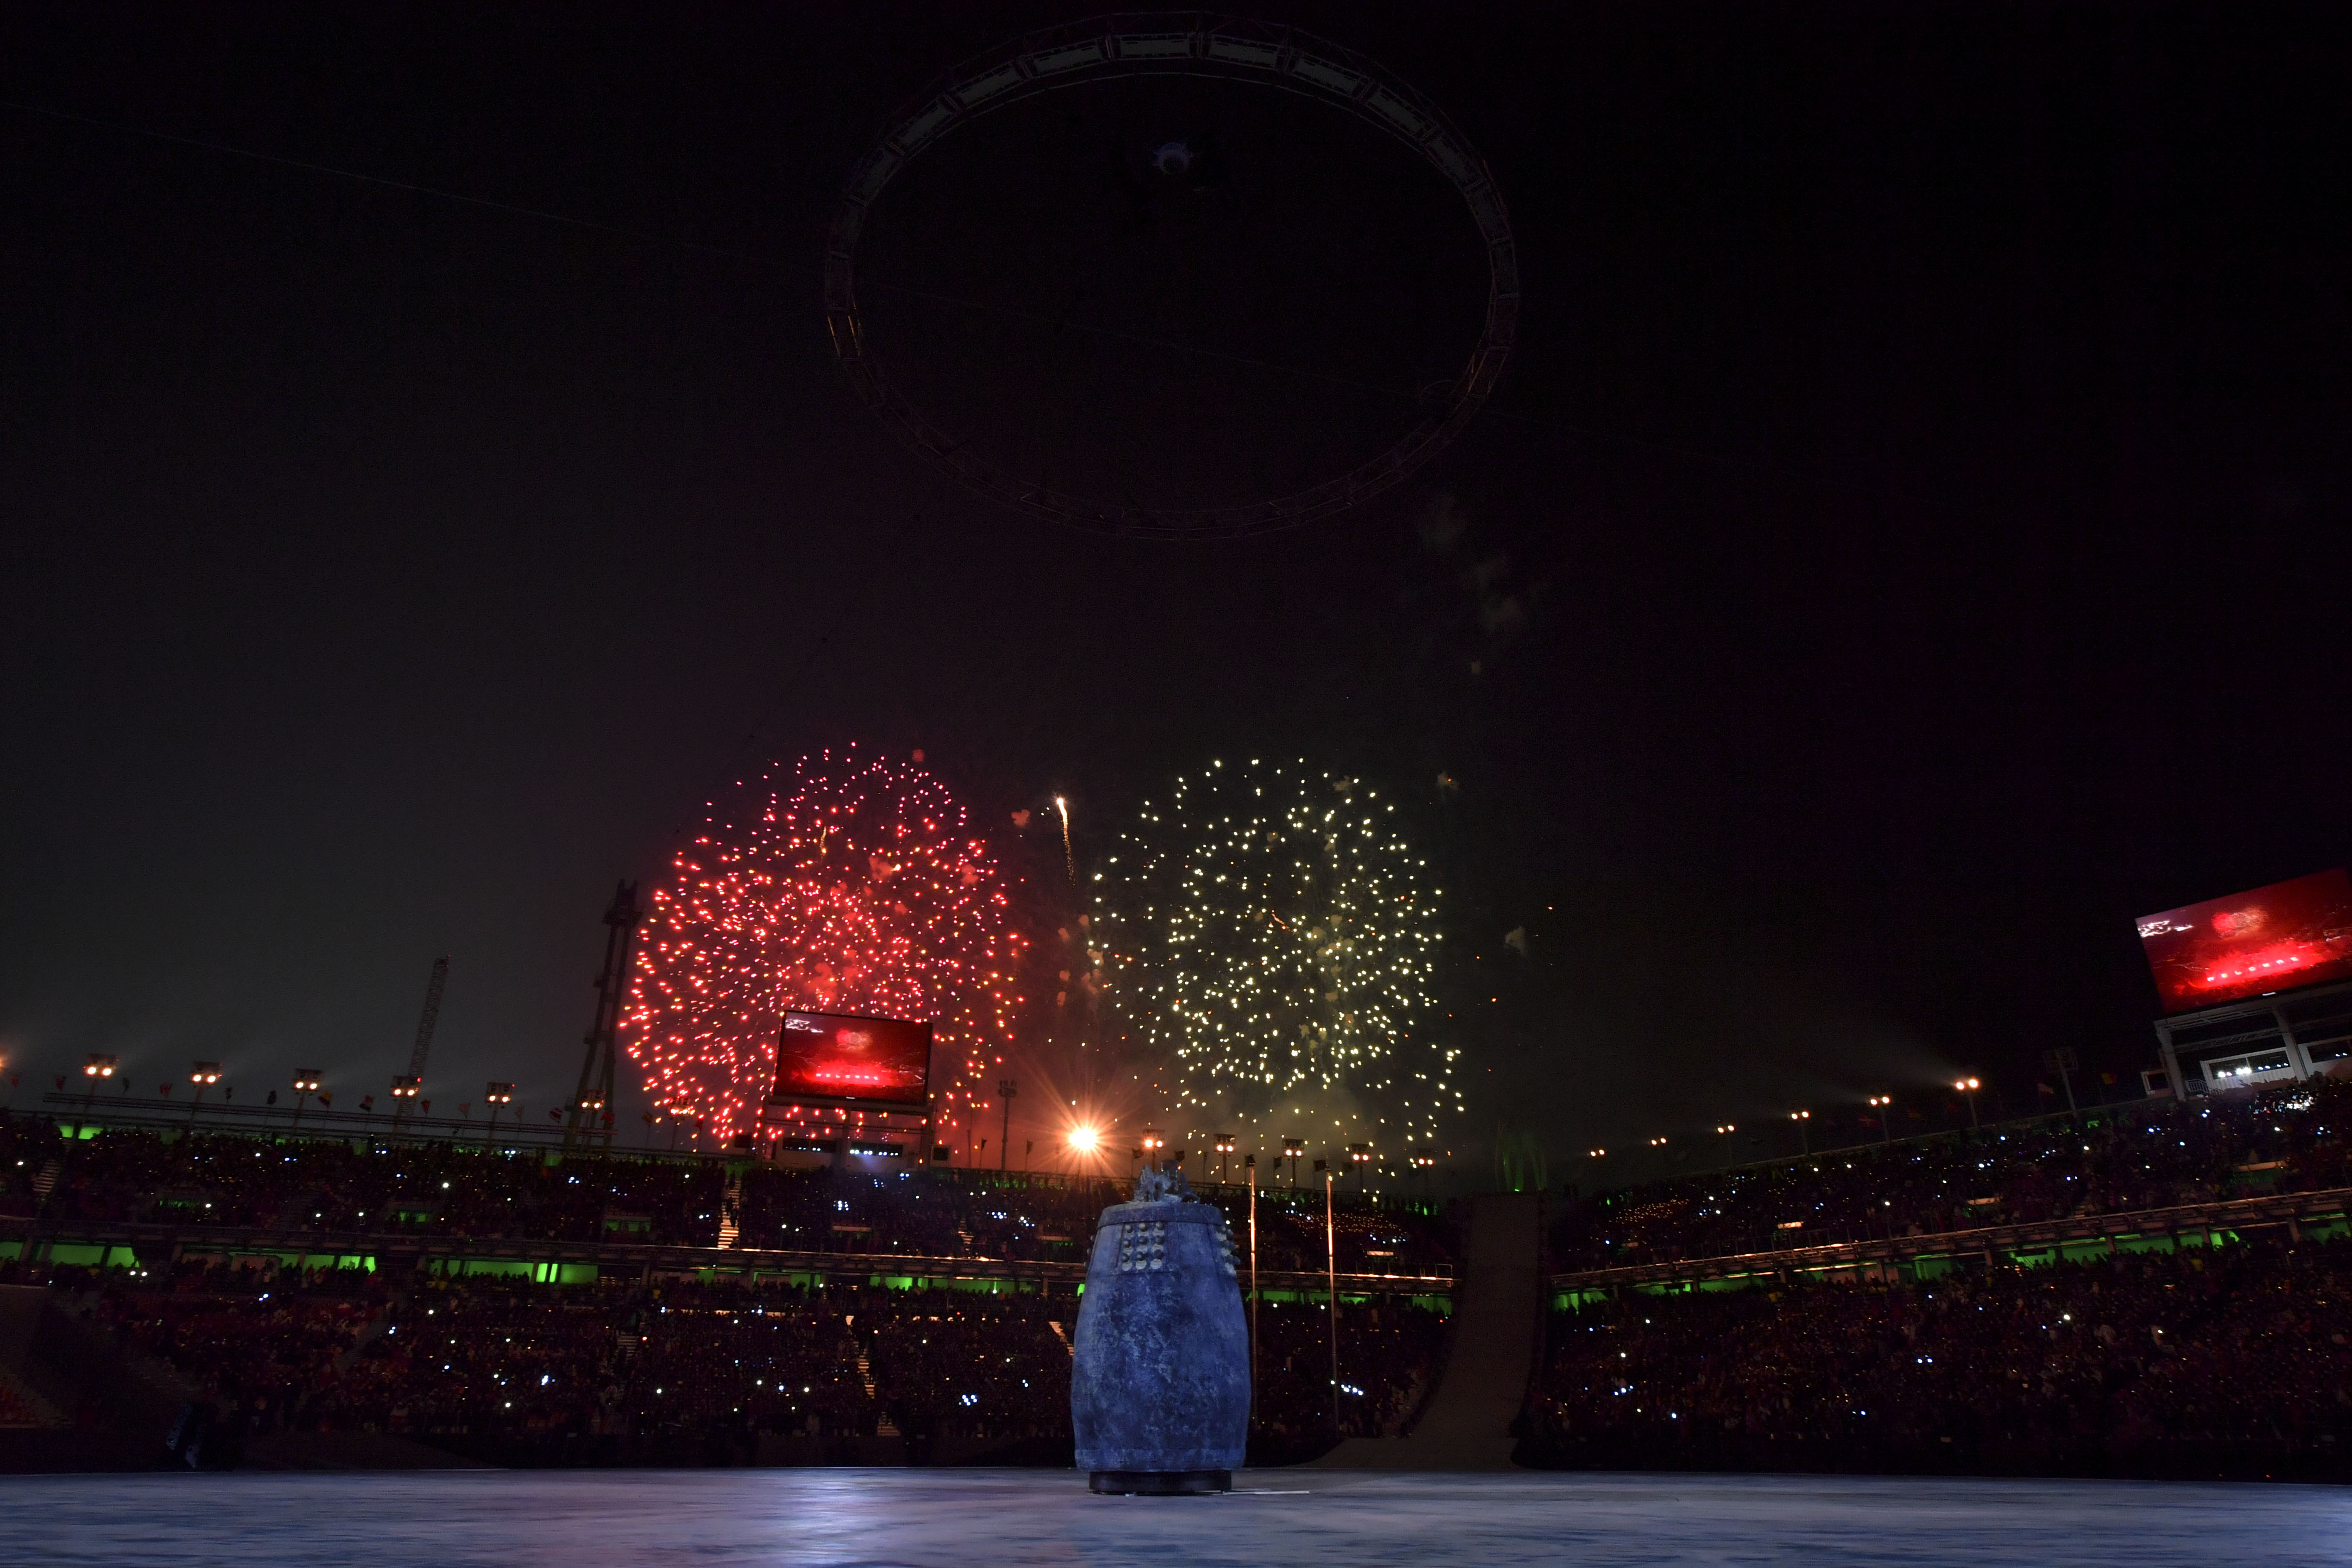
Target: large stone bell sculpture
x=1160 y=1390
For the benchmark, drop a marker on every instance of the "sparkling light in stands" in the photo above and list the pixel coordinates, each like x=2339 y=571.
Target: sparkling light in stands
x=835 y=884
x=1272 y=931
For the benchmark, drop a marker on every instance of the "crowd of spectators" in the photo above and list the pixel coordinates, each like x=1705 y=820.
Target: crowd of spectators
x=473 y=1191
x=640 y=1364
x=264 y=1350
x=2148 y=1154
x=678 y=1372
x=334 y=1185
x=1388 y=1357
x=2231 y=1362
x=693 y=1373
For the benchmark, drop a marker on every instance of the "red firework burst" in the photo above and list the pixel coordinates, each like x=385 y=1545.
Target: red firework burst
x=836 y=885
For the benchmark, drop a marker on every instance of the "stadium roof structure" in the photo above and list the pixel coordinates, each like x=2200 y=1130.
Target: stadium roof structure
x=1197 y=45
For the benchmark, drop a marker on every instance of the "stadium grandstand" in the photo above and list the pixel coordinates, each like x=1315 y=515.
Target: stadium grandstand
x=526 y=1305
x=2144 y=1288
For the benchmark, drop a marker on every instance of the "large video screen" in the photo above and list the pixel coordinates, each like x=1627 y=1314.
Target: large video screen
x=829 y=1055
x=2287 y=934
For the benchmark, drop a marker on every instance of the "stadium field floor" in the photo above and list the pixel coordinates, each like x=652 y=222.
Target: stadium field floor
x=959 y=1518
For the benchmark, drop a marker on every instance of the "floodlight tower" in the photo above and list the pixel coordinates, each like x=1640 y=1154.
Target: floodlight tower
x=405 y=1086
x=306 y=1082
x=586 y=1121
x=205 y=1075
x=100 y=1067
x=405 y=1090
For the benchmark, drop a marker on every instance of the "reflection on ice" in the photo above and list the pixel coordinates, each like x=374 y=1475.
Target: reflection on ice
x=963 y=1518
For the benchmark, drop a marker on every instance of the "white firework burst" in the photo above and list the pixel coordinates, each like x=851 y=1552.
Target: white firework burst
x=1273 y=932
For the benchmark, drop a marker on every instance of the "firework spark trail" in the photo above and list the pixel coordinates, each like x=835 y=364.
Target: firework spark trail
x=1271 y=929
x=1070 y=855
x=836 y=885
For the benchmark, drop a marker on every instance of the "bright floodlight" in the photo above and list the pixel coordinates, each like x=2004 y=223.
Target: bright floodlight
x=1084 y=1139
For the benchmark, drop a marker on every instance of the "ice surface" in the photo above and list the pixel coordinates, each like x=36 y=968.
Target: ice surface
x=1282 y=1519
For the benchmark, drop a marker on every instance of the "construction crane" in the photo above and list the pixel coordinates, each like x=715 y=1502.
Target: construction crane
x=405 y=1089
x=590 y=1120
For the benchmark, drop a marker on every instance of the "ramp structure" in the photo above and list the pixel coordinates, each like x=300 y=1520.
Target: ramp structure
x=1497 y=1316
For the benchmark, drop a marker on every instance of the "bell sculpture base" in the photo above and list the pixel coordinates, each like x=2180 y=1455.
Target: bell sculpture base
x=1161 y=1483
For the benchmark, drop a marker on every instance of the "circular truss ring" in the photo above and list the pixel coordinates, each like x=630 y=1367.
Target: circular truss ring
x=1225 y=48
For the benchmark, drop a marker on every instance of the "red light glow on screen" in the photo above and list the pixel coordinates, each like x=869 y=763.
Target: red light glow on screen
x=2287 y=934
x=881 y=1059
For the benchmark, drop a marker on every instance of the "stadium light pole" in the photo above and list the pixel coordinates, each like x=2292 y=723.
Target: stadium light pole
x=1291 y=1149
x=1008 y=1088
x=1879 y=1102
x=405 y=1090
x=498 y=1096
x=1224 y=1157
x=1969 y=1087
x=1804 y=1120
x=306 y=1084
x=205 y=1075
x=1724 y=1129
x=100 y=1067
x=592 y=1114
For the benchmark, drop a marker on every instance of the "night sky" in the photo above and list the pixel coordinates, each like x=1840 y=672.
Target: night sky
x=1907 y=544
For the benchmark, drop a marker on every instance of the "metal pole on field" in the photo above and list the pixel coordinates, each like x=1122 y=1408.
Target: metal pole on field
x=1249 y=1166
x=1331 y=1266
